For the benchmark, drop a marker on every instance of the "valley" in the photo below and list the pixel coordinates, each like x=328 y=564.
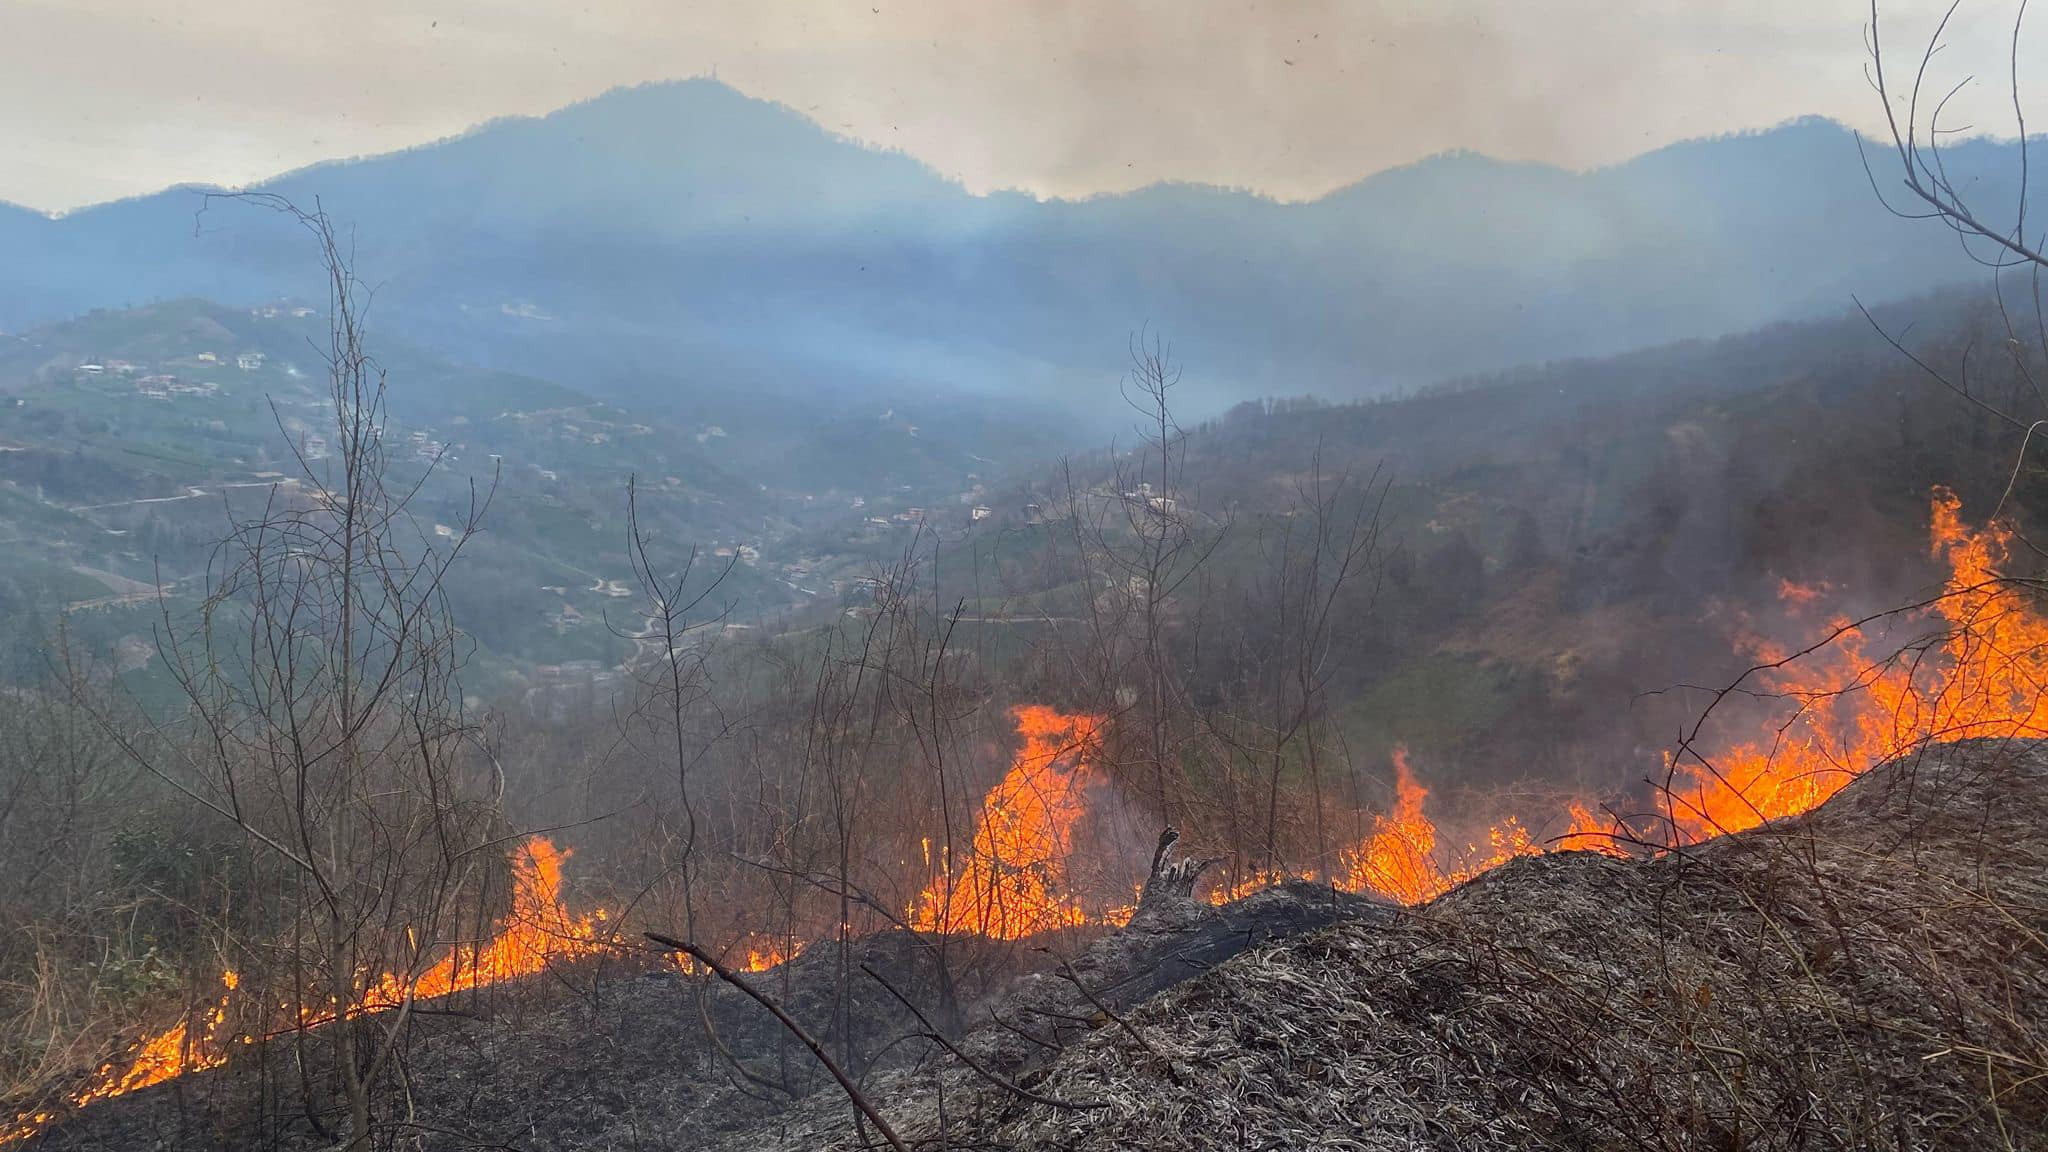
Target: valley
x=656 y=621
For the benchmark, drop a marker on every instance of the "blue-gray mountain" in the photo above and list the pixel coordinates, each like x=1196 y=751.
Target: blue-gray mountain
x=682 y=243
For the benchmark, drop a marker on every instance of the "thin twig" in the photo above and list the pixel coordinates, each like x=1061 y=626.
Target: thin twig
x=992 y=1077
x=797 y=1030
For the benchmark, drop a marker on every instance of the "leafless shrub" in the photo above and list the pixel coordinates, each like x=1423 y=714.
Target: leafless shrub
x=323 y=723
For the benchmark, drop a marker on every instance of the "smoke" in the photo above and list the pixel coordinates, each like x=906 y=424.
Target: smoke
x=1058 y=99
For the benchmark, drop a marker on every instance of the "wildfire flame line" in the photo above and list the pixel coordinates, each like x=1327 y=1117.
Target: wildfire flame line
x=1981 y=677
x=537 y=933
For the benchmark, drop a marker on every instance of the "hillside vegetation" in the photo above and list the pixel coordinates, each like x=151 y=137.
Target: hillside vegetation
x=682 y=245
x=1355 y=654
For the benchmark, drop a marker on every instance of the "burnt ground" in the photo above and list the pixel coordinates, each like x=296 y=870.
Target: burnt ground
x=616 y=1056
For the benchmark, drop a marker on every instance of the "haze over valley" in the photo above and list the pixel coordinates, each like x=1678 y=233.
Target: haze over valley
x=663 y=623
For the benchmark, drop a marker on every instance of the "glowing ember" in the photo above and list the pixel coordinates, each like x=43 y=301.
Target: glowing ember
x=754 y=953
x=760 y=953
x=1251 y=882
x=1014 y=883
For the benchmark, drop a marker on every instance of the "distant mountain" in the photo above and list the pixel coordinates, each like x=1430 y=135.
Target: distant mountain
x=684 y=244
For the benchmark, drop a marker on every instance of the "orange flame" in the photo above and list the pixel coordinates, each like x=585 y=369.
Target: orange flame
x=756 y=952
x=537 y=933
x=1254 y=881
x=1800 y=595
x=1589 y=833
x=1981 y=677
x=173 y=1052
x=763 y=953
x=1398 y=859
x=1014 y=884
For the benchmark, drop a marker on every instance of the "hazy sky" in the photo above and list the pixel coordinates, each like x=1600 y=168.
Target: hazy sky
x=105 y=98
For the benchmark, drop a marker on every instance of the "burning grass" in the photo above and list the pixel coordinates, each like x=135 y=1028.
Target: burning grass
x=1849 y=707
x=537 y=934
x=1013 y=882
x=1979 y=677
x=537 y=930
x=1871 y=974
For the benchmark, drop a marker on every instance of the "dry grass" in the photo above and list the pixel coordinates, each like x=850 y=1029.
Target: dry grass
x=1874 y=974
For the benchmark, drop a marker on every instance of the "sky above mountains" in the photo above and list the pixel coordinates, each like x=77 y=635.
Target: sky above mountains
x=107 y=98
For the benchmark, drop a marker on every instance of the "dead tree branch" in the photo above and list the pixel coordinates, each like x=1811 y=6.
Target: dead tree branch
x=852 y=1090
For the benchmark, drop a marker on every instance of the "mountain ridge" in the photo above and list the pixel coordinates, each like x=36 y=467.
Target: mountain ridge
x=682 y=241
x=628 y=91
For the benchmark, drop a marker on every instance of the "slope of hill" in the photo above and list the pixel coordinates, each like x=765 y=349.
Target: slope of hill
x=129 y=437
x=1561 y=540
x=1562 y=544
x=682 y=243
x=1872 y=974
x=128 y=441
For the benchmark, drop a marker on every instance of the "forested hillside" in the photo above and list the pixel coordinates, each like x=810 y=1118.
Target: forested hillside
x=683 y=245
x=1557 y=549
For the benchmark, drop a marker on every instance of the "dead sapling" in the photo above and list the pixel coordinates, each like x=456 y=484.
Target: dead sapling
x=803 y=1035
